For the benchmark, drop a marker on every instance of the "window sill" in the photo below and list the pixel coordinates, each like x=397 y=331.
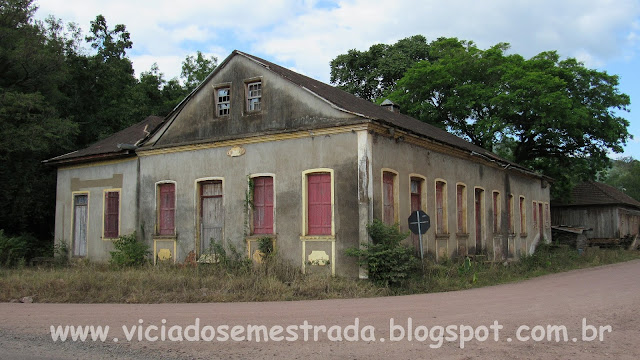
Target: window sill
x=318 y=238
x=110 y=238
x=465 y=234
x=524 y=234
x=260 y=236
x=164 y=237
x=442 y=236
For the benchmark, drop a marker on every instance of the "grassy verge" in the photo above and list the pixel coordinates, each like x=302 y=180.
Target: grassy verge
x=99 y=283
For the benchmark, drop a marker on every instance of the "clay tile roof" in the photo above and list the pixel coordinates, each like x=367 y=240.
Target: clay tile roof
x=367 y=109
x=596 y=193
x=109 y=147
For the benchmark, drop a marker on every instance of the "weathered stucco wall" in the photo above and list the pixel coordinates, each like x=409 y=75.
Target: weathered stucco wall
x=406 y=159
x=93 y=180
x=285 y=106
x=286 y=160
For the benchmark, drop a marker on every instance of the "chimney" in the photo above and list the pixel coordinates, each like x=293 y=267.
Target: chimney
x=389 y=105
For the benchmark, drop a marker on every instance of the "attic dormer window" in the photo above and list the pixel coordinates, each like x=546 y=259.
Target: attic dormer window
x=254 y=96
x=223 y=101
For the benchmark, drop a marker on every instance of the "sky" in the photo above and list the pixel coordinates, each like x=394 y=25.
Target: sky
x=306 y=35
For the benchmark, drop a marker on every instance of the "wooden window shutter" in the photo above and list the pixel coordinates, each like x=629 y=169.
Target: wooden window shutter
x=167 y=211
x=440 y=207
x=111 y=214
x=263 y=205
x=319 y=204
x=388 y=216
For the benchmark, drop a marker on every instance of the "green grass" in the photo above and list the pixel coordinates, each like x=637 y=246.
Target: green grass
x=101 y=283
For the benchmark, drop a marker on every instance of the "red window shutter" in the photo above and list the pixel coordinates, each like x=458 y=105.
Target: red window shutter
x=319 y=204
x=495 y=212
x=459 y=203
x=416 y=195
x=535 y=215
x=167 y=209
x=111 y=214
x=263 y=205
x=510 y=213
x=388 y=216
x=439 y=207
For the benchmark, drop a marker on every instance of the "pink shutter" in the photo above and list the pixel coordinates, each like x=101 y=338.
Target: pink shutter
x=459 y=203
x=319 y=204
x=167 y=209
x=389 y=216
x=439 y=208
x=263 y=205
x=111 y=216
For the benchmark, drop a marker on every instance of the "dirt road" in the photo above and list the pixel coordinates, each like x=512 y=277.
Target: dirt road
x=605 y=296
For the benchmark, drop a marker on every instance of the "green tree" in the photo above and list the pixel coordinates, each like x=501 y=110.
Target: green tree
x=195 y=69
x=32 y=74
x=544 y=112
x=624 y=174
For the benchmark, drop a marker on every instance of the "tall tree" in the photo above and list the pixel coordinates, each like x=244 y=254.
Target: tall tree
x=32 y=70
x=546 y=113
x=624 y=175
x=195 y=69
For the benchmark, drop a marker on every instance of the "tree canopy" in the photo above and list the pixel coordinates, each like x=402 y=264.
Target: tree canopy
x=624 y=175
x=60 y=91
x=551 y=114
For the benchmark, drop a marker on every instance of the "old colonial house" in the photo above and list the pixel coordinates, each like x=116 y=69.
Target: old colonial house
x=259 y=150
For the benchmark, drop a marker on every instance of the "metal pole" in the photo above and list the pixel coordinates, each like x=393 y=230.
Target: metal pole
x=420 y=238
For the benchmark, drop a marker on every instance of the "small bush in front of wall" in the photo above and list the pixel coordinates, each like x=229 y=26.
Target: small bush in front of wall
x=129 y=251
x=265 y=245
x=386 y=260
x=228 y=256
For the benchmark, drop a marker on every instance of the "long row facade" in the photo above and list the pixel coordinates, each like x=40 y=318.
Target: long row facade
x=300 y=162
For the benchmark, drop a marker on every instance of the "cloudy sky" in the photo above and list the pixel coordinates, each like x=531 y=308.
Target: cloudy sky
x=305 y=35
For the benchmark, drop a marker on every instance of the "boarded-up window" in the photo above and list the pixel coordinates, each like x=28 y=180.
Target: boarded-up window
x=166 y=209
x=319 y=204
x=496 y=211
x=535 y=215
x=416 y=188
x=510 y=215
x=388 y=198
x=80 y=217
x=111 y=214
x=211 y=213
x=461 y=207
x=441 y=207
x=263 y=205
x=523 y=216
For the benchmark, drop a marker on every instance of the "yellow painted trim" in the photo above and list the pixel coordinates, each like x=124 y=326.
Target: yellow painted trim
x=445 y=205
x=396 y=193
x=318 y=238
x=534 y=216
x=250 y=209
x=511 y=213
x=465 y=209
x=175 y=199
x=155 y=249
x=97 y=163
x=196 y=206
x=305 y=196
x=523 y=214
x=496 y=205
x=483 y=223
x=255 y=140
x=333 y=258
x=104 y=209
x=304 y=260
x=73 y=218
x=423 y=190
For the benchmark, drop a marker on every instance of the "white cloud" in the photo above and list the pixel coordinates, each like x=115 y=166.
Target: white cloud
x=307 y=37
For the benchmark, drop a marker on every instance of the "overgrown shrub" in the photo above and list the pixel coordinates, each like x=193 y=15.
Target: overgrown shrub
x=228 y=256
x=386 y=260
x=129 y=251
x=15 y=250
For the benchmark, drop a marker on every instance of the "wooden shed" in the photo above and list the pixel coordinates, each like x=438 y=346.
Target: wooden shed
x=613 y=215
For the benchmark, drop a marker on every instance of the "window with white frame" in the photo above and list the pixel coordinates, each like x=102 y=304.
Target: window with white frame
x=223 y=101
x=254 y=96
